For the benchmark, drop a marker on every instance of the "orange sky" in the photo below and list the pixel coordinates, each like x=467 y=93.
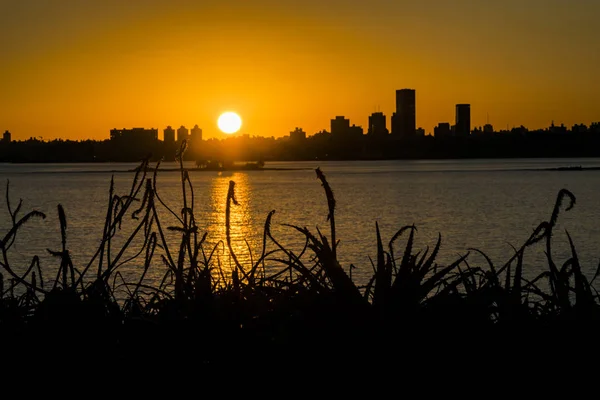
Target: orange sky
x=74 y=70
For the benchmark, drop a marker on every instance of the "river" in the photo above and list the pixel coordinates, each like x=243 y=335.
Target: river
x=484 y=204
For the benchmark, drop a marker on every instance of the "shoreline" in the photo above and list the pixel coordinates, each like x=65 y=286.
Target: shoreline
x=241 y=169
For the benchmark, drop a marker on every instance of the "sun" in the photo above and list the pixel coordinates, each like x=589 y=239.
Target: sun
x=229 y=122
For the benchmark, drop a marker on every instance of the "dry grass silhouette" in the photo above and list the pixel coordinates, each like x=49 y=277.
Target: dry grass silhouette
x=308 y=307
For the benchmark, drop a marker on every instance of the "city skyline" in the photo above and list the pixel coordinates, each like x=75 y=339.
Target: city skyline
x=75 y=71
x=340 y=125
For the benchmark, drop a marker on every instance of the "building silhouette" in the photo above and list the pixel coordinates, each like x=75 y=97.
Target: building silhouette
x=297 y=135
x=442 y=130
x=463 y=120
x=196 y=134
x=169 y=135
x=404 y=120
x=377 y=125
x=340 y=126
x=355 y=131
x=182 y=133
x=6 y=137
x=134 y=134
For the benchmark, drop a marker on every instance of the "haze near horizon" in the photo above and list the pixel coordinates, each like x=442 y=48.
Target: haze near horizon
x=75 y=70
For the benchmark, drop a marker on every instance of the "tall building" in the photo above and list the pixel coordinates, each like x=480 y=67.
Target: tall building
x=404 y=120
x=463 y=120
x=169 y=135
x=377 y=125
x=6 y=137
x=196 y=134
x=340 y=126
x=182 y=133
x=442 y=129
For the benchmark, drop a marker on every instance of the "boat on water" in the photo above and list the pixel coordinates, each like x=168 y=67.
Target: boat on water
x=216 y=165
x=221 y=165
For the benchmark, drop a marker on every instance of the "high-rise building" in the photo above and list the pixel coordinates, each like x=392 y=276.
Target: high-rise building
x=404 y=120
x=377 y=125
x=169 y=135
x=6 y=137
x=340 y=126
x=463 y=120
x=196 y=134
x=182 y=133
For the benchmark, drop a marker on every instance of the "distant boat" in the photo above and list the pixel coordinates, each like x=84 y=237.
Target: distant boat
x=220 y=165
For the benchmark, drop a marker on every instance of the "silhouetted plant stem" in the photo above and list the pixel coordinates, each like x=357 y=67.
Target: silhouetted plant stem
x=331 y=207
x=138 y=182
x=231 y=199
x=107 y=224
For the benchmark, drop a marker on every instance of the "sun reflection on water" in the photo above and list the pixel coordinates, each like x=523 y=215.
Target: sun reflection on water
x=243 y=239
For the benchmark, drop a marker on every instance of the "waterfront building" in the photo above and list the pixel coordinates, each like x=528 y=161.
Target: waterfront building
x=297 y=135
x=404 y=120
x=442 y=130
x=169 y=135
x=196 y=134
x=182 y=133
x=340 y=126
x=377 y=125
x=463 y=120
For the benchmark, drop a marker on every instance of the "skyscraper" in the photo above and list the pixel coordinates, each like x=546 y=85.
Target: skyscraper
x=377 y=125
x=169 y=135
x=182 y=133
x=404 y=120
x=463 y=120
x=196 y=134
x=340 y=126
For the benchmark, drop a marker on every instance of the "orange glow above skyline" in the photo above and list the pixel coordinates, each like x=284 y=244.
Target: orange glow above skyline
x=75 y=71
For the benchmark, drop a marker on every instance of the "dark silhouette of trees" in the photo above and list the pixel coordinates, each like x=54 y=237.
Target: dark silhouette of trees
x=321 y=146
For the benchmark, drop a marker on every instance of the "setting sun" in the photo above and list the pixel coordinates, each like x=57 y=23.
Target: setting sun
x=229 y=122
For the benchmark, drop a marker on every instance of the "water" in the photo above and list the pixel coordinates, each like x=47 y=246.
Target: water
x=484 y=204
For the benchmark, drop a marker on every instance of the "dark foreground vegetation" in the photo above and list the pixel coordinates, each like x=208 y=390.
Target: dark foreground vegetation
x=288 y=308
